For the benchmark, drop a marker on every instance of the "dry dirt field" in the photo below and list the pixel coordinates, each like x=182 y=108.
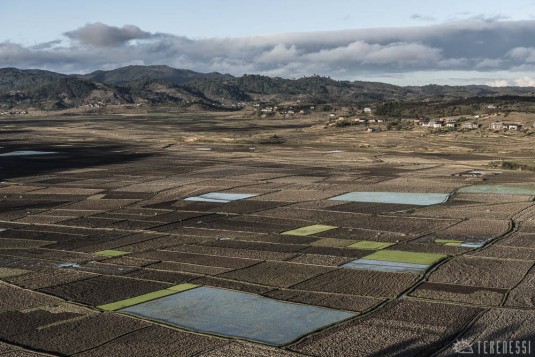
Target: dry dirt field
x=102 y=211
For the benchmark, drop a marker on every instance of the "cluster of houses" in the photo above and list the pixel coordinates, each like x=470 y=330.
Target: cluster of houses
x=96 y=105
x=449 y=123
x=454 y=123
x=498 y=125
x=279 y=110
x=343 y=121
x=20 y=112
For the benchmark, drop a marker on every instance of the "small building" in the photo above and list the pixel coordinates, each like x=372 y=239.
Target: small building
x=470 y=125
x=496 y=125
x=451 y=120
x=436 y=124
x=371 y=130
x=514 y=126
x=452 y=125
x=491 y=106
x=367 y=110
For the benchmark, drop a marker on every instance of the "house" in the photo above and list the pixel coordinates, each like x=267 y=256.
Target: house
x=491 y=106
x=514 y=126
x=452 y=125
x=435 y=124
x=371 y=130
x=496 y=125
x=367 y=110
x=470 y=125
x=451 y=120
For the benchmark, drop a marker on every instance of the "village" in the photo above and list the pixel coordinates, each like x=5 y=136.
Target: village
x=366 y=116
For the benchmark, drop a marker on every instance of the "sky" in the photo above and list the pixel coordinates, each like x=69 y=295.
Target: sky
x=410 y=42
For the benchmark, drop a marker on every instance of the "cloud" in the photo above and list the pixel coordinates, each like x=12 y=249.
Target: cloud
x=420 y=17
x=101 y=35
x=522 y=54
x=498 y=83
x=483 y=46
x=525 y=82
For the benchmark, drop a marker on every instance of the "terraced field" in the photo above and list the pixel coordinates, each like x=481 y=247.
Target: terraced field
x=106 y=232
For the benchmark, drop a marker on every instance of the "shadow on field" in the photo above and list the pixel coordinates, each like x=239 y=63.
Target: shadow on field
x=63 y=158
x=445 y=346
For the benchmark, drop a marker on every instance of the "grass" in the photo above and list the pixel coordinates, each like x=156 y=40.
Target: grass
x=7 y=272
x=447 y=241
x=405 y=257
x=309 y=230
x=504 y=189
x=111 y=253
x=146 y=297
x=97 y=197
x=366 y=244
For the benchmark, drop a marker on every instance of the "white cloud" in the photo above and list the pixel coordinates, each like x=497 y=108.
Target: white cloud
x=525 y=82
x=498 y=83
x=485 y=46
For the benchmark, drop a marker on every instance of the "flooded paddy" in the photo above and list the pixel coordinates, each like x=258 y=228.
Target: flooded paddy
x=27 y=153
x=238 y=314
x=408 y=198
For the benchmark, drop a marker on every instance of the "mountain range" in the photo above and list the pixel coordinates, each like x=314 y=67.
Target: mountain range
x=155 y=85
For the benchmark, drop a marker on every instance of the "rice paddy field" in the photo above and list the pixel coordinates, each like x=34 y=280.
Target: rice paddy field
x=117 y=239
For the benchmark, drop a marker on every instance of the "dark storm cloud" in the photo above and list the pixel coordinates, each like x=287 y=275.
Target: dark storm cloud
x=101 y=35
x=471 y=45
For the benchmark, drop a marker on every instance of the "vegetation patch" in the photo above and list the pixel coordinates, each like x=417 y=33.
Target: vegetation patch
x=309 y=230
x=111 y=253
x=146 y=297
x=406 y=257
x=371 y=245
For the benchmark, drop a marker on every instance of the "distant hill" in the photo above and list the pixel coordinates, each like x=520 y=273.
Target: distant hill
x=12 y=79
x=128 y=74
x=157 y=85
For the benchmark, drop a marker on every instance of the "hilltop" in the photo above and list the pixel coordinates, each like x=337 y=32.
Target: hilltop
x=163 y=85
